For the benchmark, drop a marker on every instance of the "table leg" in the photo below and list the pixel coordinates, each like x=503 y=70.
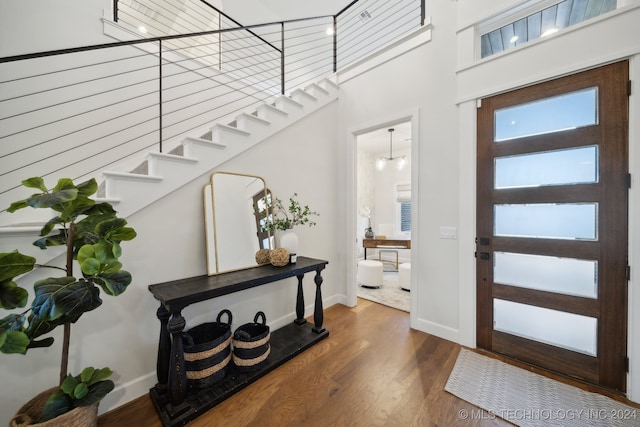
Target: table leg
x=318 y=312
x=365 y=253
x=177 y=375
x=164 y=350
x=300 y=320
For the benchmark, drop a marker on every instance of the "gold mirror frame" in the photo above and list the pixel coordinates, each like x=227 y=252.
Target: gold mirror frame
x=231 y=235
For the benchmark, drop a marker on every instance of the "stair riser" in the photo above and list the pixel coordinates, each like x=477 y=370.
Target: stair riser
x=134 y=192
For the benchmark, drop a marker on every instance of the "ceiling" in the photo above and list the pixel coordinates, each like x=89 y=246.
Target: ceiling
x=377 y=141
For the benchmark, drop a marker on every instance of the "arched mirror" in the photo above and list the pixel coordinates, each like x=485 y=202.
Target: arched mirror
x=235 y=207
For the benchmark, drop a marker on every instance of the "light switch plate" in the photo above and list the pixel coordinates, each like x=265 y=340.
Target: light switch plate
x=448 y=233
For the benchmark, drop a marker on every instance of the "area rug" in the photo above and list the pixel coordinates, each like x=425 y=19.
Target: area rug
x=389 y=294
x=528 y=399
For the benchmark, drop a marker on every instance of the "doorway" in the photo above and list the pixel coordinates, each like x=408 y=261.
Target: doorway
x=552 y=213
x=383 y=211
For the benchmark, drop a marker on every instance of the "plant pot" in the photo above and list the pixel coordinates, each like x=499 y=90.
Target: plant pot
x=289 y=241
x=30 y=412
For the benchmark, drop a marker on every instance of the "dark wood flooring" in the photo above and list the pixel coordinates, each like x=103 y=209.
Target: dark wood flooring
x=372 y=370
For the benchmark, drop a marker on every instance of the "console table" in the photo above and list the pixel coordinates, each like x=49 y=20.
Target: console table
x=175 y=403
x=385 y=243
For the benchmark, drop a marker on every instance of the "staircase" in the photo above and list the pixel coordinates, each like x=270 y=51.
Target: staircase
x=161 y=174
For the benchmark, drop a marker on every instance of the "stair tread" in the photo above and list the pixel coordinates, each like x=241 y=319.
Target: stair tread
x=173 y=157
x=274 y=109
x=303 y=93
x=204 y=141
x=131 y=176
x=318 y=87
x=230 y=129
x=253 y=118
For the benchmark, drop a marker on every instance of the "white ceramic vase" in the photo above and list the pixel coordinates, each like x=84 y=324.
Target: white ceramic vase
x=289 y=241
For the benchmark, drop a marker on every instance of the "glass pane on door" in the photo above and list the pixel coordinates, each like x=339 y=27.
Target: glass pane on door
x=558 y=113
x=559 y=167
x=547 y=273
x=567 y=330
x=575 y=221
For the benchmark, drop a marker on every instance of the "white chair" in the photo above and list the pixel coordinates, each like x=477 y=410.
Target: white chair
x=404 y=276
x=370 y=274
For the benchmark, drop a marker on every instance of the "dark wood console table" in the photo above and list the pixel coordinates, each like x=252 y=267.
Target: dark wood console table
x=177 y=405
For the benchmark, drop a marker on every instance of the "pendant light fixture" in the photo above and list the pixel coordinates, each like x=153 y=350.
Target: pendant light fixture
x=401 y=161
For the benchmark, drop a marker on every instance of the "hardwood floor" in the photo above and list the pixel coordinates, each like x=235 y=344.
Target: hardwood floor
x=372 y=370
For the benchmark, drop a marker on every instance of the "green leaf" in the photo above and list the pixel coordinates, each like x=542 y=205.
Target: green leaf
x=88 y=188
x=81 y=391
x=99 y=375
x=50 y=200
x=59 y=301
x=90 y=266
x=71 y=300
x=63 y=185
x=113 y=284
x=102 y=251
x=74 y=208
x=96 y=393
x=38 y=327
x=116 y=249
x=59 y=239
x=13 y=264
x=59 y=403
x=102 y=208
x=120 y=234
x=69 y=384
x=21 y=204
x=14 y=342
x=12 y=296
x=110 y=225
x=35 y=182
x=13 y=322
x=47 y=342
x=86 y=374
x=86 y=252
x=113 y=266
x=45 y=305
x=50 y=225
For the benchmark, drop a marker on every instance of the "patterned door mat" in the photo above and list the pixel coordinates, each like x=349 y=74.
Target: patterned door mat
x=528 y=399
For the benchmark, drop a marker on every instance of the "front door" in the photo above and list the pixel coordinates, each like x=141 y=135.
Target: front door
x=552 y=225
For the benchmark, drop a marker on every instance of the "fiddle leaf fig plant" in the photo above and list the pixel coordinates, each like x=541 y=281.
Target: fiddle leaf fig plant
x=92 y=234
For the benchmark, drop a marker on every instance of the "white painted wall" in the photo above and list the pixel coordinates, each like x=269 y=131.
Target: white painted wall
x=29 y=26
x=424 y=79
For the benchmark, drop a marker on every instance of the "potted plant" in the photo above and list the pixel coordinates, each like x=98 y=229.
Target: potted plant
x=285 y=218
x=92 y=233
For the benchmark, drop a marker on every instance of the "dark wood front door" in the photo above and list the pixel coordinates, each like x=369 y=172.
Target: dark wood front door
x=552 y=198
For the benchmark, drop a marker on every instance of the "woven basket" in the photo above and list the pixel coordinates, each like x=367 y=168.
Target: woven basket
x=251 y=345
x=30 y=412
x=207 y=351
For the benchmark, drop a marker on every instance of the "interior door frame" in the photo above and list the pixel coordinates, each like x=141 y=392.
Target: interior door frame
x=351 y=234
x=607 y=366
